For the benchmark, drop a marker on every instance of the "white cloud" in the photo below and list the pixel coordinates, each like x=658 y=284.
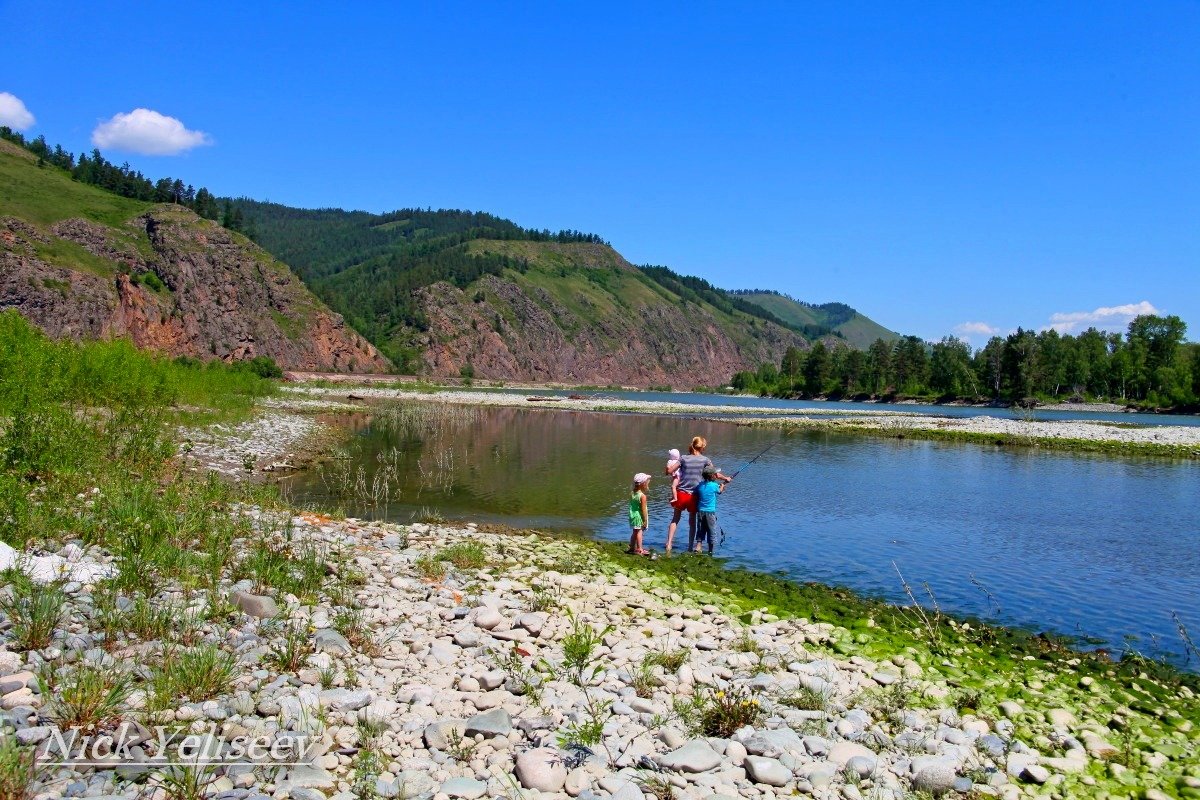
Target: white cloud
x=975 y=329
x=13 y=112
x=147 y=132
x=1109 y=318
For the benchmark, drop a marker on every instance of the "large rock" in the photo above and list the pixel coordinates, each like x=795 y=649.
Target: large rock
x=541 y=768
x=496 y=722
x=465 y=788
x=330 y=641
x=936 y=780
x=346 y=699
x=256 y=605
x=437 y=734
x=767 y=771
x=487 y=618
x=695 y=756
x=842 y=752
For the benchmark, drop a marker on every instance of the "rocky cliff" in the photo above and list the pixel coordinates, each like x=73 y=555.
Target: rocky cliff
x=579 y=313
x=163 y=277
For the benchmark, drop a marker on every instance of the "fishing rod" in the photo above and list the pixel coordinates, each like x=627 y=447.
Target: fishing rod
x=769 y=448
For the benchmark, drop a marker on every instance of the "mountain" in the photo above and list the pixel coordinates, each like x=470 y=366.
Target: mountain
x=857 y=329
x=80 y=261
x=449 y=293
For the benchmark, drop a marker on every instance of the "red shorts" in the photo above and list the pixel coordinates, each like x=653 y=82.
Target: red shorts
x=686 y=501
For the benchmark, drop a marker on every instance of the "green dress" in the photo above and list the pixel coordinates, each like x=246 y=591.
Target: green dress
x=635 y=510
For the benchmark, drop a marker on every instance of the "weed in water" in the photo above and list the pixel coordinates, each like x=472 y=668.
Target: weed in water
x=578 y=648
x=289 y=652
x=33 y=610
x=328 y=675
x=184 y=781
x=721 y=712
x=523 y=678
x=18 y=770
x=542 y=598
x=806 y=699
x=430 y=568
x=458 y=747
x=87 y=697
x=669 y=659
x=464 y=555
x=657 y=786
x=351 y=624
x=193 y=675
x=428 y=515
x=642 y=680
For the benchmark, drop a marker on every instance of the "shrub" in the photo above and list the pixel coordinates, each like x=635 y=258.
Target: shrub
x=195 y=674
x=719 y=713
x=88 y=697
x=33 y=610
x=18 y=770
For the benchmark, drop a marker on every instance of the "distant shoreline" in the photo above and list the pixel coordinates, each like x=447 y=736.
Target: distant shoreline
x=1171 y=441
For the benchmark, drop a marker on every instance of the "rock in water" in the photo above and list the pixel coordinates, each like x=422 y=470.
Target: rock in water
x=541 y=768
x=935 y=780
x=767 y=770
x=695 y=756
x=465 y=788
x=256 y=605
x=496 y=722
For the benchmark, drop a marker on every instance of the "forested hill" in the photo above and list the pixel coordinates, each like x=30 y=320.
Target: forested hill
x=857 y=329
x=392 y=274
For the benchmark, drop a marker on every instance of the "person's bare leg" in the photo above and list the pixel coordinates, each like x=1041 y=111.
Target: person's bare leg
x=671 y=529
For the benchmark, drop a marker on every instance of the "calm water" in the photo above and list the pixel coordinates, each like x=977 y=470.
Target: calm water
x=745 y=401
x=1090 y=546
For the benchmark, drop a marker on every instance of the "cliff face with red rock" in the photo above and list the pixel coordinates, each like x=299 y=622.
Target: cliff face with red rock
x=173 y=282
x=581 y=314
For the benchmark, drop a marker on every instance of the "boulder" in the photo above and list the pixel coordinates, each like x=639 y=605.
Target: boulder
x=695 y=756
x=766 y=771
x=492 y=723
x=256 y=605
x=541 y=768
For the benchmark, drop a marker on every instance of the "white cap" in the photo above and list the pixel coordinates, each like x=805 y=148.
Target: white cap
x=640 y=478
x=673 y=453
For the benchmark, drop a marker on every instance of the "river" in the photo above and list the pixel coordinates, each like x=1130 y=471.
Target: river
x=1101 y=548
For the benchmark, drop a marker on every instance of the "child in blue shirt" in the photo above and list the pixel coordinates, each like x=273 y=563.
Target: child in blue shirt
x=706 y=509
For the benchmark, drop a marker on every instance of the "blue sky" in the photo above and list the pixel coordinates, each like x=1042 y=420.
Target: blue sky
x=931 y=164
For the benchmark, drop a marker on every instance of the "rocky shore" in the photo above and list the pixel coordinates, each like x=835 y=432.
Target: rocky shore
x=451 y=662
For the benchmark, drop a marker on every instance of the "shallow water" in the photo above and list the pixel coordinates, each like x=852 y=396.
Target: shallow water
x=822 y=407
x=1091 y=546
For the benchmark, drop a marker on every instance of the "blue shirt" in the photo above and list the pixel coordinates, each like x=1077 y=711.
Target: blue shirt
x=706 y=496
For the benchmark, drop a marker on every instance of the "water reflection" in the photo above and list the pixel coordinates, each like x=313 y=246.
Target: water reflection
x=1076 y=544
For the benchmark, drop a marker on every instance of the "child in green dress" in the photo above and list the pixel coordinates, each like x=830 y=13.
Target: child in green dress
x=639 y=515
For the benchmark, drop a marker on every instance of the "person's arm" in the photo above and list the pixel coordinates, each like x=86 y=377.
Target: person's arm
x=720 y=488
x=645 y=511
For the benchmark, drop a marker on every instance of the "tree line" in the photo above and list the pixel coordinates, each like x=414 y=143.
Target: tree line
x=1150 y=365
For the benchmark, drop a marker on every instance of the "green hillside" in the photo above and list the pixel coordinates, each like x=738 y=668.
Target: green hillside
x=371 y=268
x=856 y=328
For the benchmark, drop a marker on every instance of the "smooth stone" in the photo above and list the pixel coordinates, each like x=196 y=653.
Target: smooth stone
x=695 y=756
x=467 y=638
x=767 y=771
x=437 y=734
x=256 y=605
x=487 y=618
x=346 y=699
x=327 y=640
x=861 y=766
x=541 y=768
x=1010 y=709
x=1035 y=773
x=935 y=779
x=466 y=788
x=842 y=752
x=496 y=722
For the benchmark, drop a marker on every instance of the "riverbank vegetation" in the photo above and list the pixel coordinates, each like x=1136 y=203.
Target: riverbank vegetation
x=1150 y=366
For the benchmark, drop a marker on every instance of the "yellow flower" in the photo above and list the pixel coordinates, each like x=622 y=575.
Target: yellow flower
x=720 y=695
